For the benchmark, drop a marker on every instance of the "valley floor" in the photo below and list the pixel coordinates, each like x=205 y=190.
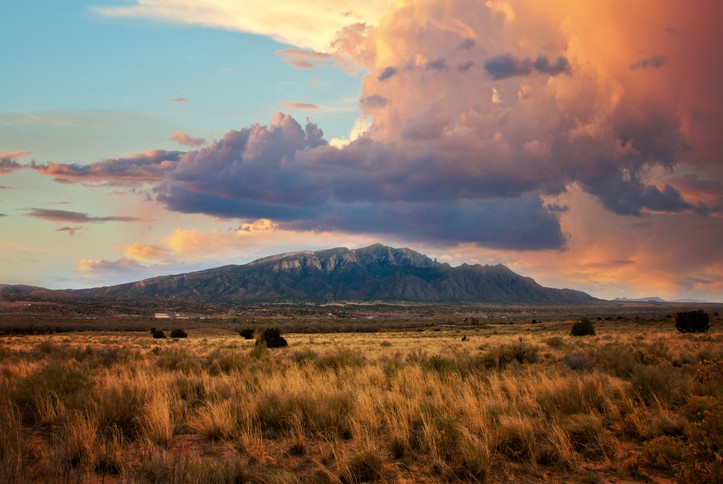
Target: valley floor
x=637 y=402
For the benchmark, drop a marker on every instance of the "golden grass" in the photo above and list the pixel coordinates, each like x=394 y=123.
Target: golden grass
x=510 y=402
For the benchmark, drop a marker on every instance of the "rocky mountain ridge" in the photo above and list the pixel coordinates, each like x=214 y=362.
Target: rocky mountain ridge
x=374 y=273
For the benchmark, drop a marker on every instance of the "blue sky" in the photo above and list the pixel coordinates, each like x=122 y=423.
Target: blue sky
x=80 y=87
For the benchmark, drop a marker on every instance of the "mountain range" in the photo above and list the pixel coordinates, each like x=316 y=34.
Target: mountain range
x=374 y=273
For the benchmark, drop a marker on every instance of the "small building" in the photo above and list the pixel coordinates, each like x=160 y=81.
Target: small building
x=162 y=316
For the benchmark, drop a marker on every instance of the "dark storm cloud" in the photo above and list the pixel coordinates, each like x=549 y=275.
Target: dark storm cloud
x=289 y=174
x=425 y=185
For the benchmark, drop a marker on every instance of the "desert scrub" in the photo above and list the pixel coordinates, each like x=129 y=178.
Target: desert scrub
x=364 y=466
x=50 y=392
x=501 y=356
x=12 y=439
x=215 y=420
x=319 y=412
x=77 y=443
x=178 y=358
x=120 y=404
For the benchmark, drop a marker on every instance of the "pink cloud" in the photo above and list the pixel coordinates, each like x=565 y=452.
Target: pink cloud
x=75 y=217
x=149 y=166
x=71 y=230
x=184 y=139
x=304 y=59
x=298 y=106
x=8 y=161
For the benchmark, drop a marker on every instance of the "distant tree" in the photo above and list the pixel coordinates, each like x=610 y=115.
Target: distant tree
x=584 y=327
x=692 y=321
x=272 y=338
x=178 y=333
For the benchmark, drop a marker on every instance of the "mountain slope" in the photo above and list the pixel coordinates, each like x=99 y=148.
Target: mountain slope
x=376 y=272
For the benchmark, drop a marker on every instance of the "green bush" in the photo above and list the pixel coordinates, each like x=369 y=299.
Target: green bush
x=178 y=333
x=584 y=327
x=272 y=338
x=157 y=333
x=692 y=321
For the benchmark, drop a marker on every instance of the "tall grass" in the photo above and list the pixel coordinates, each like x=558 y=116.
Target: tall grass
x=347 y=408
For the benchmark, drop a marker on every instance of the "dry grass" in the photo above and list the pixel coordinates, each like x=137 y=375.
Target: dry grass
x=516 y=402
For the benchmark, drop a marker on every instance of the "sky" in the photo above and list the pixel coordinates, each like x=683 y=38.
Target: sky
x=578 y=143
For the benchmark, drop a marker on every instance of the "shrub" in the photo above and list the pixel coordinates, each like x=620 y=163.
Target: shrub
x=658 y=382
x=555 y=342
x=366 y=466
x=247 y=333
x=663 y=453
x=584 y=327
x=578 y=361
x=703 y=458
x=157 y=333
x=178 y=333
x=692 y=321
x=501 y=356
x=272 y=338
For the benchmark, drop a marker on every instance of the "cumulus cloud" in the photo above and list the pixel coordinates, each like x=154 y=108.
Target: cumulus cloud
x=75 y=217
x=147 y=167
x=184 y=139
x=444 y=160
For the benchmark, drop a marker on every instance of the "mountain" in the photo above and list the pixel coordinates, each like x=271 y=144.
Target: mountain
x=652 y=299
x=374 y=273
